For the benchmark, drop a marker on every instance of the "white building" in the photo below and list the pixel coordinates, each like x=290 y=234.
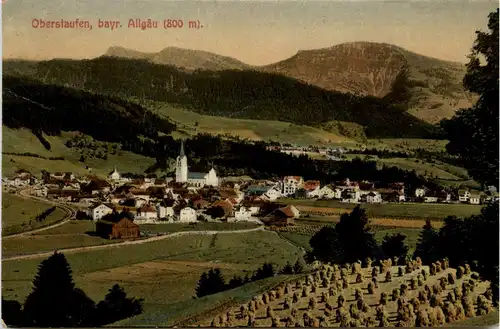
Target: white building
x=114 y=175
x=242 y=214
x=272 y=194
x=187 y=215
x=290 y=184
x=464 y=195
x=165 y=212
x=99 y=211
x=373 y=197
x=475 y=198
x=147 y=212
x=326 y=192
x=182 y=174
x=420 y=192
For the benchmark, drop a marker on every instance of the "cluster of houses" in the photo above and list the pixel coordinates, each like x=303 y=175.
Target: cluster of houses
x=329 y=152
x=192 y=197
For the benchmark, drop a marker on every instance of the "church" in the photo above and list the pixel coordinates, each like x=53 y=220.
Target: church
x=197 y=179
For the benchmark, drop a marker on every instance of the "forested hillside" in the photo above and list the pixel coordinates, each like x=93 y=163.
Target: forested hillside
x=237 y=94
x=52 y=109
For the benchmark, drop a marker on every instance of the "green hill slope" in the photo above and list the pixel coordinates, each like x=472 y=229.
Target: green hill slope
x=235 y=94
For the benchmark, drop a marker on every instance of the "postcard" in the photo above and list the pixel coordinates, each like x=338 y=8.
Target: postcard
x=249 y=163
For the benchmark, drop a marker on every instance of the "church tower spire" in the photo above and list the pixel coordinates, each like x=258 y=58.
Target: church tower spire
x=181 y=167
x=182 y=149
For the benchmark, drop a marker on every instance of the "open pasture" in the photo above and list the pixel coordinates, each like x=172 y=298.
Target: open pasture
x=411 y=295
x=171 y=266
x=383 y=210
x=18 y=214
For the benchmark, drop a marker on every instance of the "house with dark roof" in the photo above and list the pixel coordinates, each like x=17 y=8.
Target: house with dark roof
x=124 y=228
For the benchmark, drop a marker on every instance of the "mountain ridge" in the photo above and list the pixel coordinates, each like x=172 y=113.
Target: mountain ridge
x=189 y=59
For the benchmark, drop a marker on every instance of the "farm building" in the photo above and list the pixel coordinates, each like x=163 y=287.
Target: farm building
x=125 y=228
x=283 y=216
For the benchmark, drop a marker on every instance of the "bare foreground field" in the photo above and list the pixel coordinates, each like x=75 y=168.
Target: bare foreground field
x=163 y=272
x=314 y=301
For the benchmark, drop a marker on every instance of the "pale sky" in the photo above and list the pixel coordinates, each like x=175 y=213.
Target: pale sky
x=255 y=32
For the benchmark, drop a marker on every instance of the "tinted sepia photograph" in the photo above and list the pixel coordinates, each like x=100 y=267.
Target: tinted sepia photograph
x=249 y=163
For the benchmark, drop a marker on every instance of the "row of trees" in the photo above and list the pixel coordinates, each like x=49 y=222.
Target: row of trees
x=56 y=302
x=213 y=281
x=41 y=217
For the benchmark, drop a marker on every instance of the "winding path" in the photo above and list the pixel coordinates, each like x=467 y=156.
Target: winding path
x=70 y=213
x=120 y=244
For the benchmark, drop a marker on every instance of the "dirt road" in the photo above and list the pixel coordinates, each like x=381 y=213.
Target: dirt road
x=126 y=243
x=69 y=214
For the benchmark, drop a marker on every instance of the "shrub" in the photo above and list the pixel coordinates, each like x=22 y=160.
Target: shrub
x=400 y=271
x=460 y=272
x=359 y=278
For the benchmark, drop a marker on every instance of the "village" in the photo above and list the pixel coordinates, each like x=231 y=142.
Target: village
x=190 y=197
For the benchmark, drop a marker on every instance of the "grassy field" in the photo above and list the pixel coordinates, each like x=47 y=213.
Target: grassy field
x=164 y=272
x=402 y=144
x=75 y=234
x=68 y=235
x=284 y=132
x=397 y=210
x=18 y=214
x=380 y=232
x=178 y=227
x=23 y=141
x=189 y=311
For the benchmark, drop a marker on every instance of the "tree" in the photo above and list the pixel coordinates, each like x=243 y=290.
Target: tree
x=427 y=245
x=54 y=300
x=235 y=282
x=287 y=269
x=473 y=133
x=215 y=212
x=210 y=283
x=11 y=313
x=298 y=267
x=349 y=241
x=117 y=306
x=266 y=271
x=394 y=246
x=326 y=245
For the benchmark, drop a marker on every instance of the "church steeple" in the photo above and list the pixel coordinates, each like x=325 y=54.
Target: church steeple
x=182 y=149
